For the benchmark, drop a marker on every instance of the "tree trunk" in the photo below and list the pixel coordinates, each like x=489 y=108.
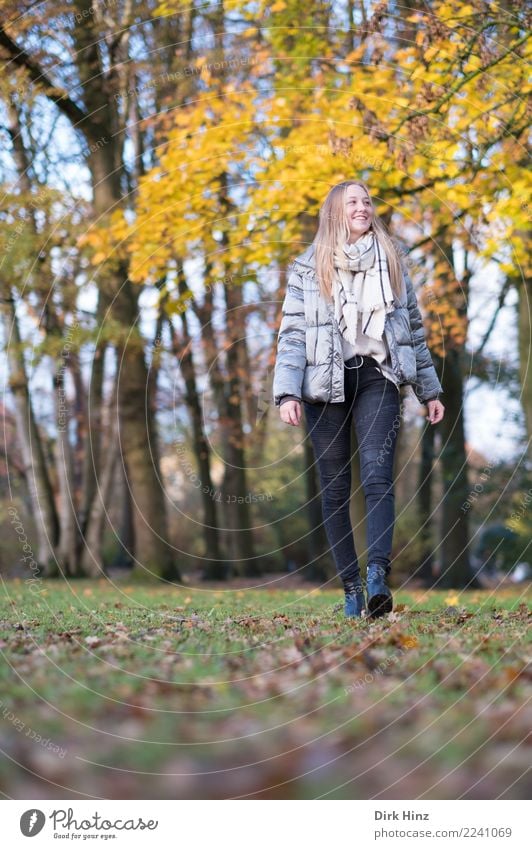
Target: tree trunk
x=525 y=343
x=123 y=558
x=214 y=566
x=455 y=566
x=238 y=542
x=92 y=456
x=237 y=503
x=91 y=555
x=454 y=548
x=32 y=450
x=153 y=553
x=424 y=504
x=67 y=549
x=39 y=483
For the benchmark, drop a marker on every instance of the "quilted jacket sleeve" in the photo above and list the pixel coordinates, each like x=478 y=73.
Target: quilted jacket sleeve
x=427 y=386
x=291 y=358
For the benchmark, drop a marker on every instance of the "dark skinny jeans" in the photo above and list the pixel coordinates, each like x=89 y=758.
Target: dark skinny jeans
x=373 y=402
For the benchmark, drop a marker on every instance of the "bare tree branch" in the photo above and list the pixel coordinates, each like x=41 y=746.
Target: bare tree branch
x=80 y=119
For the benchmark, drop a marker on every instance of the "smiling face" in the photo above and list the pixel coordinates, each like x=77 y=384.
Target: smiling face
x=359 y=211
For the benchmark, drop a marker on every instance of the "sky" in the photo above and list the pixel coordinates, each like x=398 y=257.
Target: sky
x=494 y=422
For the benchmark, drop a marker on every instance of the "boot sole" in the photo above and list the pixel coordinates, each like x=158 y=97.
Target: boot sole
x=380 y=605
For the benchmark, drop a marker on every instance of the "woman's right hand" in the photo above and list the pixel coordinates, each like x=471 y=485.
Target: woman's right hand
x=290 y=412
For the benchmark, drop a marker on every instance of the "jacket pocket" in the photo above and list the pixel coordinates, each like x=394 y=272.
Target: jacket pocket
x=409 y=365
x=394 y=354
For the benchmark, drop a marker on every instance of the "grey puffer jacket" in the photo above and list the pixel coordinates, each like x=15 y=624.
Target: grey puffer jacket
x=309 y=364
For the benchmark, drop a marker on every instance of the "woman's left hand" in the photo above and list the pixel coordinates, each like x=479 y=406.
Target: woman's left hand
x=436 y=411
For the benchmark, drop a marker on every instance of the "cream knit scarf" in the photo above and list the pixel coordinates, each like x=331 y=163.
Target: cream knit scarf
x=362 y=285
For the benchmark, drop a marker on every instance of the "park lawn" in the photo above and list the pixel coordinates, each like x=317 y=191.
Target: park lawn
x=125 y=691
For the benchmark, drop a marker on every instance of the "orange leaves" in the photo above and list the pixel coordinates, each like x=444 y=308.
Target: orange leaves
x=444 y=303
x=407 y=641
x=107 y=240
x=184 y=200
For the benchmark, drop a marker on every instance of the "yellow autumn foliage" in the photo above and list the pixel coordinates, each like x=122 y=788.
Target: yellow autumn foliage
x=249 y=160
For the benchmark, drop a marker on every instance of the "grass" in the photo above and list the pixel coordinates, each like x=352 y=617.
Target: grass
x=171 y=692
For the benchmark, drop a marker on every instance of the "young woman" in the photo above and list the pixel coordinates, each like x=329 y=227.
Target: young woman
x=351 y=334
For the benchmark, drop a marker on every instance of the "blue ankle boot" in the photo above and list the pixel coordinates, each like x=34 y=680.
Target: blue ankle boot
x=355 y=604
x=380 y=599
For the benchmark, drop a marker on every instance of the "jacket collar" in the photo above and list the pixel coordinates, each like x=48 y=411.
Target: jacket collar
x=307 y=258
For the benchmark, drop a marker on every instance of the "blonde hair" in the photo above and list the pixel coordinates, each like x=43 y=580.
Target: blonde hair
x=333 y=231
